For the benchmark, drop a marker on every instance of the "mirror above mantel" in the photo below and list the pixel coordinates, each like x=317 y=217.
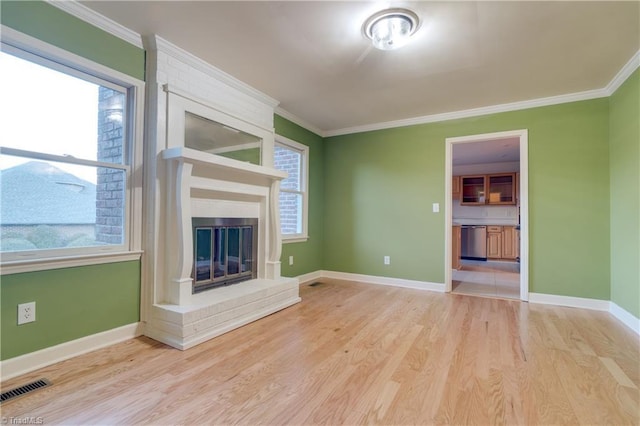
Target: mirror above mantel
x=196 y=124
x=203 y=134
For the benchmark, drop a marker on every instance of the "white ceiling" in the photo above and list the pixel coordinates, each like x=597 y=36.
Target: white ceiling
x=490 y=151
x=313 y=58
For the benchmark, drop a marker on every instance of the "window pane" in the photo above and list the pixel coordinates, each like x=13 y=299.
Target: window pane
x=47 y=111
x=289 y=161
x=48 y=205
x=290 y=213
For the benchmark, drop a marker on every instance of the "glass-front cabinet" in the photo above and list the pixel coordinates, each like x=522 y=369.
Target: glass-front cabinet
x=501 y=189
x=473 y=190
x=488 y=189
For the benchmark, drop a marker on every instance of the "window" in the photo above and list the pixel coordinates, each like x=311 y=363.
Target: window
x=66 y=151
x=292 y=157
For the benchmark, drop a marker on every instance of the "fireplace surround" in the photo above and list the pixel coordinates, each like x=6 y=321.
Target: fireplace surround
x=195 y=179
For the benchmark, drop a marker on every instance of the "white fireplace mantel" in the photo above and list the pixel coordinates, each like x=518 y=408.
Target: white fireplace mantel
x=219 y=178
x=184 y=183
x=204 y=159
x=199 y=184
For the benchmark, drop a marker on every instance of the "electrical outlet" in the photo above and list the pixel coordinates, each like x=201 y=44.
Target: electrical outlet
x=387 y=260
x=290 y=260
x=26 y=312
x=436 y=207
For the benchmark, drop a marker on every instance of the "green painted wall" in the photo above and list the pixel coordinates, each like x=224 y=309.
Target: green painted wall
x=247 y=155
x=74 y=302
x=50 y=24
x=307 y=256
x=70 y=303
x=379 y=187
x=624 y=136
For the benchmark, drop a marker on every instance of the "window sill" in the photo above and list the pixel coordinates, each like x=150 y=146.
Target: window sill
x=296 y=239
x=33 y=265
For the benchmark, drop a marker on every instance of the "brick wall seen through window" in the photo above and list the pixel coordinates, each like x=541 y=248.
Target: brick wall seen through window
x=291 y=158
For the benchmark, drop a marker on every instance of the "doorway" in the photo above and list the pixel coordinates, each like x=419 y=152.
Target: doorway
x=501 y=277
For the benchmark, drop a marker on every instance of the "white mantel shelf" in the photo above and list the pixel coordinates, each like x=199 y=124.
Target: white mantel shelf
x=199 y=158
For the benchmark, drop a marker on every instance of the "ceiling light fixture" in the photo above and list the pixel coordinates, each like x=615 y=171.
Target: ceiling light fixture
x=391 y=28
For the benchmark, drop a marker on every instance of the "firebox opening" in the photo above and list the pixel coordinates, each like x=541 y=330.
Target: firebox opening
x=224 y=251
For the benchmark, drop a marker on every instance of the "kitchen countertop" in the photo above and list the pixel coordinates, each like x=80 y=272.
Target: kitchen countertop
x=498 y=222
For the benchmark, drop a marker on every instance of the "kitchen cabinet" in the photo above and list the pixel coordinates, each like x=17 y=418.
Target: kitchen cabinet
x=494 y=189
x=456 y=246
x=509 y=242
x=473 y=190
x=494 y=242
x=501 y=188
x=455 y=187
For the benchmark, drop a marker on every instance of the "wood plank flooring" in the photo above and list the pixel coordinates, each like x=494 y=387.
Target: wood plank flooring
x=353 y=353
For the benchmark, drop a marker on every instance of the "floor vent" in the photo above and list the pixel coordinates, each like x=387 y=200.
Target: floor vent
x=24 y=390
x=315 y=284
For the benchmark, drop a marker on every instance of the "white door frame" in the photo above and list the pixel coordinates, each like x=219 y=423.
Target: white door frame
x=523 y=135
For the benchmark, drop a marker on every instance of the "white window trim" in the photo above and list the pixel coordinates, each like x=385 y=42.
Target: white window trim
x=304 y=177
x=133 y=211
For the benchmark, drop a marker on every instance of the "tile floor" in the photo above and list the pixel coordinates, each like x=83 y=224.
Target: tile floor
x=494 y=279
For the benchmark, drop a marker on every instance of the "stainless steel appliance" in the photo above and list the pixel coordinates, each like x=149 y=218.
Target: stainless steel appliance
x=474 y=242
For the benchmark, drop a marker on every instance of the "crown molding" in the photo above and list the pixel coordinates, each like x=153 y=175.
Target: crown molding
x=608 y=90
x=474 y=112
x=92 y=17
x=299 y=121
x=624 y=73
x=155 y=42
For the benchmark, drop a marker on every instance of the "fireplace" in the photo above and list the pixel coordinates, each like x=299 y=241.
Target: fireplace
x=210 y=155
x=225 y=251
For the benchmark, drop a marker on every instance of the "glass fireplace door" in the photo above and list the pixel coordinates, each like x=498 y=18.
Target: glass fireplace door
x=224 y=251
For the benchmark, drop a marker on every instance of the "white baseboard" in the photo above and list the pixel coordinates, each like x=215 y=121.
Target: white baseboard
x=570 y=301
x=626 y=317
x=22 y=364
x=373 y=279
x=622 y=315
x=309 y=278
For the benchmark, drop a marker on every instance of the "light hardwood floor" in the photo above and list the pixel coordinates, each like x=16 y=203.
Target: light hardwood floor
x=354 y=353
